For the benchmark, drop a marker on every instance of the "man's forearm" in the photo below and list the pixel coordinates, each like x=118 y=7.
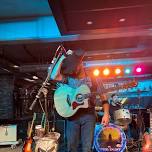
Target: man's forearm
x=55 y=73
x=106 y=108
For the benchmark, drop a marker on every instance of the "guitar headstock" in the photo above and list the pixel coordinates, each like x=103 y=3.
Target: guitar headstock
x=123 y=86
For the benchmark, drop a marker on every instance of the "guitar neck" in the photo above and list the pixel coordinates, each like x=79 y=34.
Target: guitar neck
x=31 y=127
x=116 y=88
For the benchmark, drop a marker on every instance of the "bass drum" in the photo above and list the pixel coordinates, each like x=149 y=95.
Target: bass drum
x=109 y=138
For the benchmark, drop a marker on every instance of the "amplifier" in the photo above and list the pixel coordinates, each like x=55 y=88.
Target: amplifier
x=8 y=133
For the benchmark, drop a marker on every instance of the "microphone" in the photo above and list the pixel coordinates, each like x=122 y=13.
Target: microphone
x=69 y=52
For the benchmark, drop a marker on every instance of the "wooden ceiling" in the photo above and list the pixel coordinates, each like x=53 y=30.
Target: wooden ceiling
x=83 y=16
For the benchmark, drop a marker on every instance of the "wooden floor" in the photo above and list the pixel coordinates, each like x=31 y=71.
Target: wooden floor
x=9 y=149
x=61 y=148
x=19 y=149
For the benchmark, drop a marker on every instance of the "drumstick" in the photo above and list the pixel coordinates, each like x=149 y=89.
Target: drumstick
x=123 y=100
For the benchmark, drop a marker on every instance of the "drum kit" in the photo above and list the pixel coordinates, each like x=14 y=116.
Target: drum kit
x=46 y=140
x=113 y=137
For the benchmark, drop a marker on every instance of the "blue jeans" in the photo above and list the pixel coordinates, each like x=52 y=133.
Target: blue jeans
x=81 y=129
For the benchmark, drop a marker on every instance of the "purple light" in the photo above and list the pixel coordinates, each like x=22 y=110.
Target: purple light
x=138 y=69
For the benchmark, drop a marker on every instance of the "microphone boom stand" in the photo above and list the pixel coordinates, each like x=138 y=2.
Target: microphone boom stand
x=45 y=82
x=54 y=62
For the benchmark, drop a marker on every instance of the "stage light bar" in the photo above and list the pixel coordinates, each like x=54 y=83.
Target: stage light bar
x=118 y=71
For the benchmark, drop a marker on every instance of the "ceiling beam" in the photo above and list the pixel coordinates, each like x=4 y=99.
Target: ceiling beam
x=126 y=61
x=137 y=49
x=90 y=36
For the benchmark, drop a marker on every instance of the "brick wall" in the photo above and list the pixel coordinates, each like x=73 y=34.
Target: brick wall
x=6 y=96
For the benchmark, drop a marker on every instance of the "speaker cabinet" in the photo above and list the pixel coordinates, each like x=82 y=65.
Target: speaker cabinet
x=8 y=133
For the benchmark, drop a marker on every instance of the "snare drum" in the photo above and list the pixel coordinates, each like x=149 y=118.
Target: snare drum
x=109 y=138
x=39 y=131
x=122 y=117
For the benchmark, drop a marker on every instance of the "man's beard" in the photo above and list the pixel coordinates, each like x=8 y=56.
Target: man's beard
x=74 y=74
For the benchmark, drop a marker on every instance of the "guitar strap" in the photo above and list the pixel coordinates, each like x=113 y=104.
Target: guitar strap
x=101 y=89
x=91 y=83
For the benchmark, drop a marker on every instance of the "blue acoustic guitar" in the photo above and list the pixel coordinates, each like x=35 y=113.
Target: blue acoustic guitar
x=68 y=100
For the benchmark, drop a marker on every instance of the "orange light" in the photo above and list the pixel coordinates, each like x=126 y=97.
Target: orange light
x=96 y=72
x=106 y=71
x=117 y=71
x=146 y=147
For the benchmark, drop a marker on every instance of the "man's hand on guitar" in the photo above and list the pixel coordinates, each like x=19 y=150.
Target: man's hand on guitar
x=105 y=119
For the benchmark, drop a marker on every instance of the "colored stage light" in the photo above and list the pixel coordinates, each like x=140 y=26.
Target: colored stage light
x=127 y=71
x=106 y=72
x=117 y=71
x=146 y=147
x=96 y=72
x=138 y=69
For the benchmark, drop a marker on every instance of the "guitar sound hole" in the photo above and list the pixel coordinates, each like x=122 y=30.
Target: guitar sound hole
x=79 y=98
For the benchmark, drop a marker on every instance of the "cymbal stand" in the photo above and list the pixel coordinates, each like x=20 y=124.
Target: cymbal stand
x=45 y=92
x=54 y=119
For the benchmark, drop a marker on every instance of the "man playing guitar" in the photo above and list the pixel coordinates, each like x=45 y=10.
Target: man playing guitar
x=80 y=126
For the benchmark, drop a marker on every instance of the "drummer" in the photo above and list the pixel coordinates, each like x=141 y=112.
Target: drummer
x=116 y=104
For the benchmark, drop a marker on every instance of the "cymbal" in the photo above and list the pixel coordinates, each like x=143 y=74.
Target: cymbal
x=98 y=108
